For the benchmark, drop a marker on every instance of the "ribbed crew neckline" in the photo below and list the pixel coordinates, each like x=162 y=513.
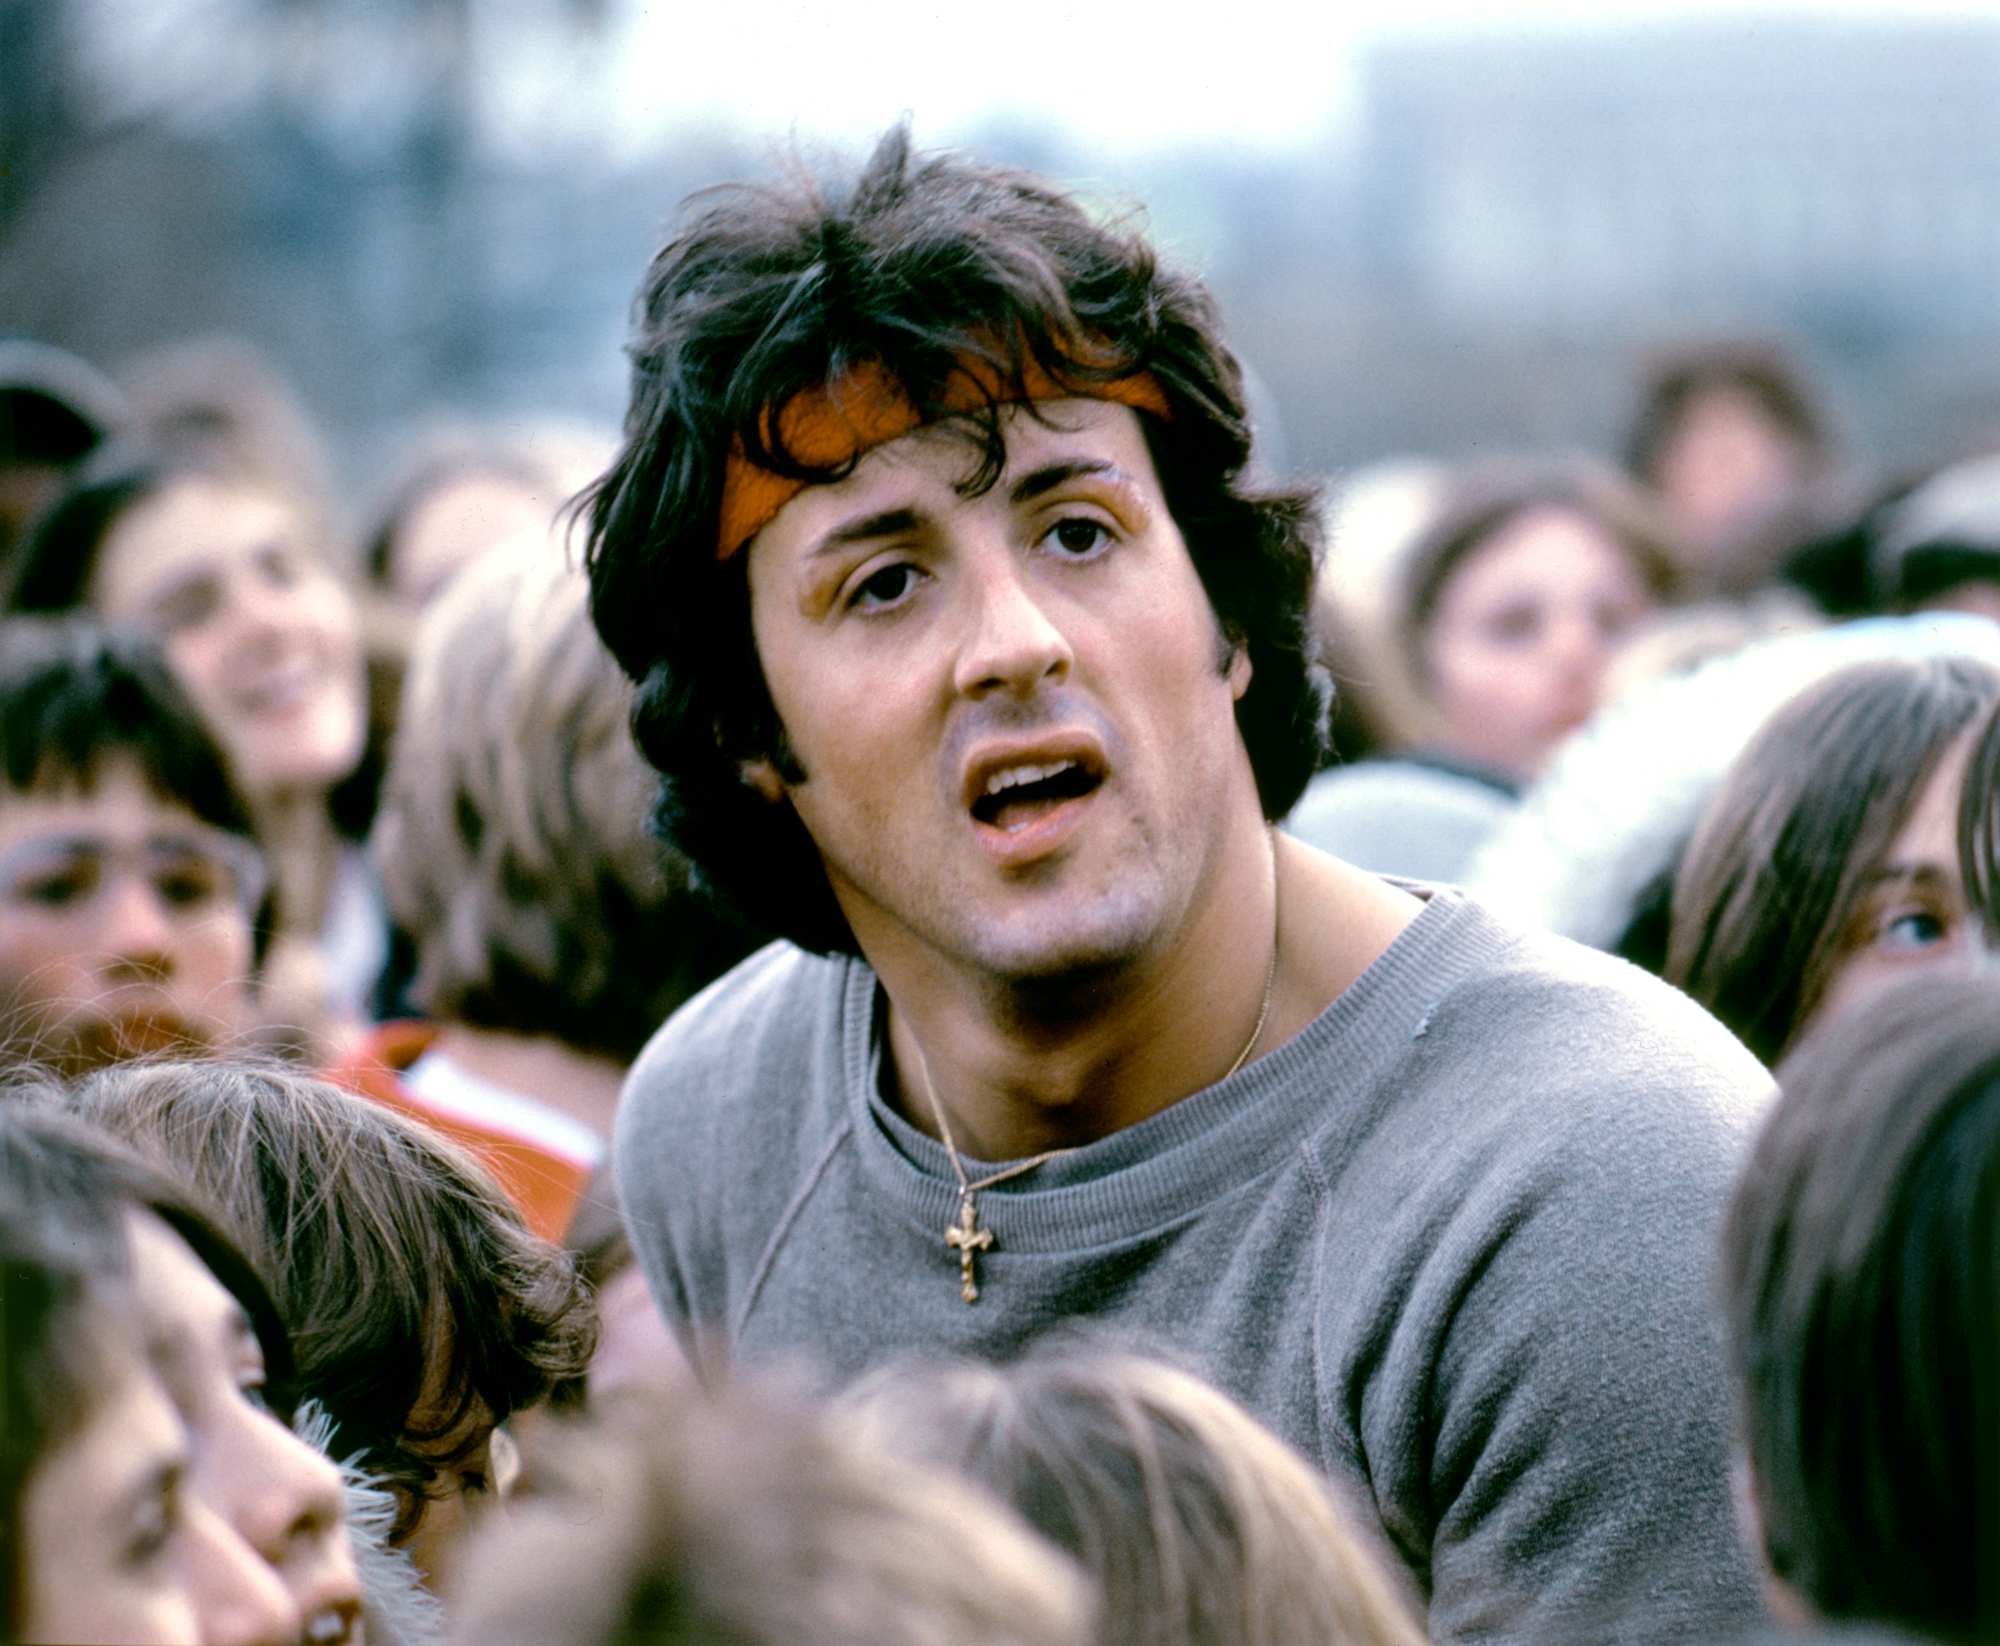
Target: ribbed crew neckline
x=1173 y=1163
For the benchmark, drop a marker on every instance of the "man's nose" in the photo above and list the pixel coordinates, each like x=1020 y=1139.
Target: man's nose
x=1012 y=644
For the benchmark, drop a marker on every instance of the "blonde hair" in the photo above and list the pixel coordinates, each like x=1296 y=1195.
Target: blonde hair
x=1200 y=1524
x=512 y=838
x=700 y=1518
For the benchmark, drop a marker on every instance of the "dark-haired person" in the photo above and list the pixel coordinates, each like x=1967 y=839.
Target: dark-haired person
x=973 y=662
x=128 y=876
x=424 y=1312
x=1937 y=548
x=54 y=411
x=1732 y=438
x=1861 y=1280
x=1830 y=859
x=149 y=1488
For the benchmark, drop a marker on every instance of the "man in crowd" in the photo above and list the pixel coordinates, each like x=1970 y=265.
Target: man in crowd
x=974 y=663
x=128 y=877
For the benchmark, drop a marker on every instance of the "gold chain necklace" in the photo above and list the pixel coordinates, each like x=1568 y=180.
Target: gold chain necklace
x=964 y=1235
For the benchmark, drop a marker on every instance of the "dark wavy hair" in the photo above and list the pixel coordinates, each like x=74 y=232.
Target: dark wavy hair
x=925 y=262
x=1860 y=1284
x=75 y=695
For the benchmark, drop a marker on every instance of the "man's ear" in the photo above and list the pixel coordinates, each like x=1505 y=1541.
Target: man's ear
x=1238 y=672
x=762 y=776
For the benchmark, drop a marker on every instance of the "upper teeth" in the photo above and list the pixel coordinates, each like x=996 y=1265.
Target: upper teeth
x=327 y=1625
x=1013 y=777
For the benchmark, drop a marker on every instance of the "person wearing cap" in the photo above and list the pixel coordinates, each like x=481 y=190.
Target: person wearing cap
x=976 y=662
x=54 y=410
x=1937 y=549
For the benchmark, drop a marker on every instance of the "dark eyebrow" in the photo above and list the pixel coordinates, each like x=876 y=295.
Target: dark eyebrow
x=1051 y=475
x=886 y=524
x=892 y=522
x=1922 y=873
x=76 y=842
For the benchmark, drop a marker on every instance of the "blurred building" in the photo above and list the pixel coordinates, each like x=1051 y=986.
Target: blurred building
x=1842 y=179
x=414 y=202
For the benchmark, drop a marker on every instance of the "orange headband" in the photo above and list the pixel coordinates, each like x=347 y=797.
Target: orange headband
x=865 y=409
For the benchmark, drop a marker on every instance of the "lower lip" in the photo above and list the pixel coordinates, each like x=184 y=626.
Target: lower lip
x=1036 y=840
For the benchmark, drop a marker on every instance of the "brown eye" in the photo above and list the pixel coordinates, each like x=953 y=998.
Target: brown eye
x=1078 y=536
x=59 y=888
x=888 y=586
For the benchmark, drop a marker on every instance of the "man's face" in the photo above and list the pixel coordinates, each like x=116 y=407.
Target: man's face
x=1015 y=711
x=123 y=923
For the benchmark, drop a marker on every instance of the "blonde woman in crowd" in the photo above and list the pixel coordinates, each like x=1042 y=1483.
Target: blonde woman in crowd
x=731 y=1517
x=1201 y=1527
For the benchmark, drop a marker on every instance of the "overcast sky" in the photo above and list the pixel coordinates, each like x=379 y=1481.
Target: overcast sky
x=1123 y=76
x=1272 y=73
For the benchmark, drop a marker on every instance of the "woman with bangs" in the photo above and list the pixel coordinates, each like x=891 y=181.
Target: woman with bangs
x=1839 y=852
x=149 y=1489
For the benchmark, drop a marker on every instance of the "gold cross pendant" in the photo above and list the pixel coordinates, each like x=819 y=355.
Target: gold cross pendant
x=967 y=1239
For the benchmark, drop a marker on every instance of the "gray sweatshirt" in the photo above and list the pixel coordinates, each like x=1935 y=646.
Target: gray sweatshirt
x=1453 y=1241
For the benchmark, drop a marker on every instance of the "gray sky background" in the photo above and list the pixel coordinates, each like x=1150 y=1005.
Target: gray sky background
x=1121 y=77
x=1263 y=73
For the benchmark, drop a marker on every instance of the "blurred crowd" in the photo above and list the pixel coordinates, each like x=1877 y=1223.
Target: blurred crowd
x=333 y=915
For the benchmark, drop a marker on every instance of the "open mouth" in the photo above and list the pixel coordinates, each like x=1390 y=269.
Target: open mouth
x=1017 y=796
x=281 y=691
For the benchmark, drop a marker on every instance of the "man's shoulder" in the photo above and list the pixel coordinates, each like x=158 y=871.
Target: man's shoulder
x=1574 y=1043
x=1523 y=1036
x=765 y=1016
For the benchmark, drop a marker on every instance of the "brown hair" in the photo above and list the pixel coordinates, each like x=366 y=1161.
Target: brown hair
x=1778 y=867
x=1861 y=1289
x=512 y=836
x=1481 y=500
x=1760 y=371
x=731 y=1518
x=1198 y=1522
x=388 y=1249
